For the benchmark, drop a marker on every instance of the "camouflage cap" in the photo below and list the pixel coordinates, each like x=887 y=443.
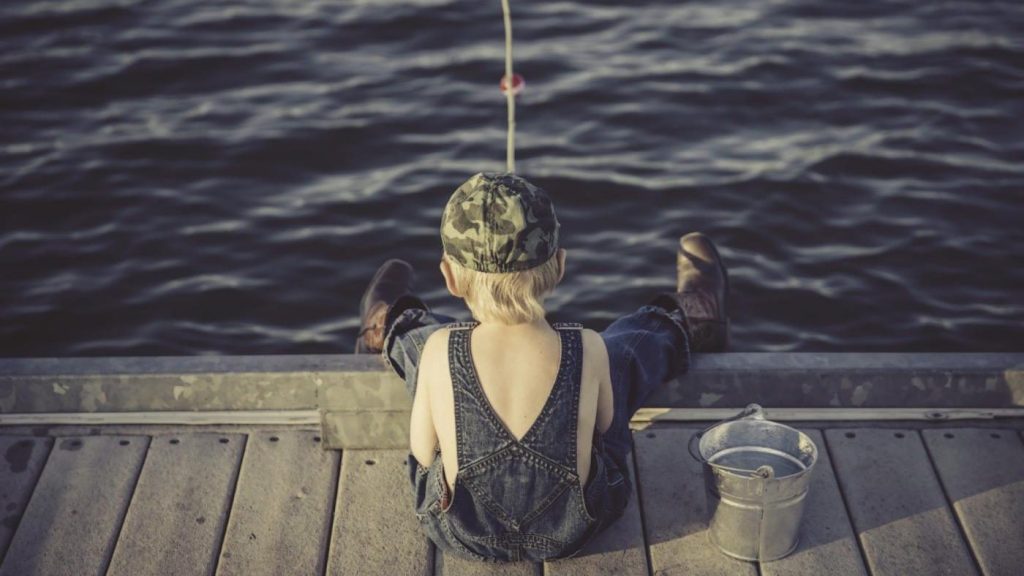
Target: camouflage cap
x=499 y=223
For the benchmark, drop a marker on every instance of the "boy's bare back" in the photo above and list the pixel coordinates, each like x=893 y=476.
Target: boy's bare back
x=517 y=366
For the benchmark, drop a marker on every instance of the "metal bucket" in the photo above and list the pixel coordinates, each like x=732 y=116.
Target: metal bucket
x=756 y=475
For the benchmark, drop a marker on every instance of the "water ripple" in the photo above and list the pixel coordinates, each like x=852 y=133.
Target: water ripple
x=183 y=177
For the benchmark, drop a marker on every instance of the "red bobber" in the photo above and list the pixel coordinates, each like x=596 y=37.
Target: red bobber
x=518 y=83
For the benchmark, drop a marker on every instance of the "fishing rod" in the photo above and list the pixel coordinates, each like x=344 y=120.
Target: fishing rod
x=511 y=84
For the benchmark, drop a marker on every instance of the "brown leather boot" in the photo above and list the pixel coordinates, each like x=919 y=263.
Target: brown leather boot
x=393 y=281
x=702 y=292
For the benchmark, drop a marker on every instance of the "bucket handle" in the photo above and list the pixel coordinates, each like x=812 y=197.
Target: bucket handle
x=752 y=411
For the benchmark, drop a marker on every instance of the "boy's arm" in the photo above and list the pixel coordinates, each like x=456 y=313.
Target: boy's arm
x=605 y=398
x=605 y=406
x=422 y=435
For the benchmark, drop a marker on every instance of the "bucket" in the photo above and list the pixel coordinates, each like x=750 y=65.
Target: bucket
x=756 y=475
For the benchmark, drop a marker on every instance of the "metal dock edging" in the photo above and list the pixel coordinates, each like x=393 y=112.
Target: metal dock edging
x=359 y=403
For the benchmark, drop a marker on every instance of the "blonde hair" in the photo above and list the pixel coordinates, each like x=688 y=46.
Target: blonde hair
x=506 y=298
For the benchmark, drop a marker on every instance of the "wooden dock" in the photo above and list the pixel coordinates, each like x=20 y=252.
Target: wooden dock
x=886 y=499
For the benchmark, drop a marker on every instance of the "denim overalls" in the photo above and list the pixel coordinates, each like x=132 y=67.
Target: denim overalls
x=523 y=500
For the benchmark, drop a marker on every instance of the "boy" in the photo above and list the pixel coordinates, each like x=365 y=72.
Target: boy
x=519 y=432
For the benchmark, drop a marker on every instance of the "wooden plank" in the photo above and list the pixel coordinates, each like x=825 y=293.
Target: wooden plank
x=897 y=504
x=619 y=550
x=24 y=457
x=72 y=521
x=280 y=521
x=176 y=519
x=375 y=530
x=827 y=542
x=452 y=565
x=674 y=506
x=982 y=472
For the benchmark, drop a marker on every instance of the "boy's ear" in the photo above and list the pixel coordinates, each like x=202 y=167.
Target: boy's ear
x=561 y=263
x=449 y=278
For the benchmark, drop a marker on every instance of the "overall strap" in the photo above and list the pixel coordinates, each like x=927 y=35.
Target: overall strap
x=478 y=431
x=554 y=432
x=567 y=326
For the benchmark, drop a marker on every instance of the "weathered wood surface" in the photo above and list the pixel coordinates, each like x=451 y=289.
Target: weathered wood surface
x=103 y=507
x=176 y=520
x=451 y=565
x=618 y=551
x=76 y=510
x=675 y=508
x=982 y=472
x=897 y=504
x=24 y=457
x=827 y=542
x=375 y=531
x=280 y=521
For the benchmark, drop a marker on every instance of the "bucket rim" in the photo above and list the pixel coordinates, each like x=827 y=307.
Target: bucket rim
x=754 y=413
x=749 y=474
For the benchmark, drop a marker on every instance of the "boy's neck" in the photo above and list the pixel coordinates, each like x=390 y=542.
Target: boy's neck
x=539 y=324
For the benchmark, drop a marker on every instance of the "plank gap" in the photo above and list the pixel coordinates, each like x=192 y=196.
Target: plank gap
x=135 y=485
x=69 y=524
x=897 y=503
x=331 y=513
x=846 y=504
x=949 y=503
x=35 y=484
x=231 y=505
x=983 y=473
x=639 y=504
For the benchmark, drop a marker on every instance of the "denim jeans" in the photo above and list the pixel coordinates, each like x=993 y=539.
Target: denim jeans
x=646 y=348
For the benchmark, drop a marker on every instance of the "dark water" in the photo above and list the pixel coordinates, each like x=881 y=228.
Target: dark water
x=194 y=177
x=751 y=459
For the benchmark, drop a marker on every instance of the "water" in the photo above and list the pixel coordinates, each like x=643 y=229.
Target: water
x=753 y=459
x=197 y=177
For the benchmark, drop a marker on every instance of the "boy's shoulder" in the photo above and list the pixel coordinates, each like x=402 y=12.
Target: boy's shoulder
x=439 y=338
x=435 y=347
x=587 y=334
x=433 y=360
x=436 y=339
x=591 y=339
